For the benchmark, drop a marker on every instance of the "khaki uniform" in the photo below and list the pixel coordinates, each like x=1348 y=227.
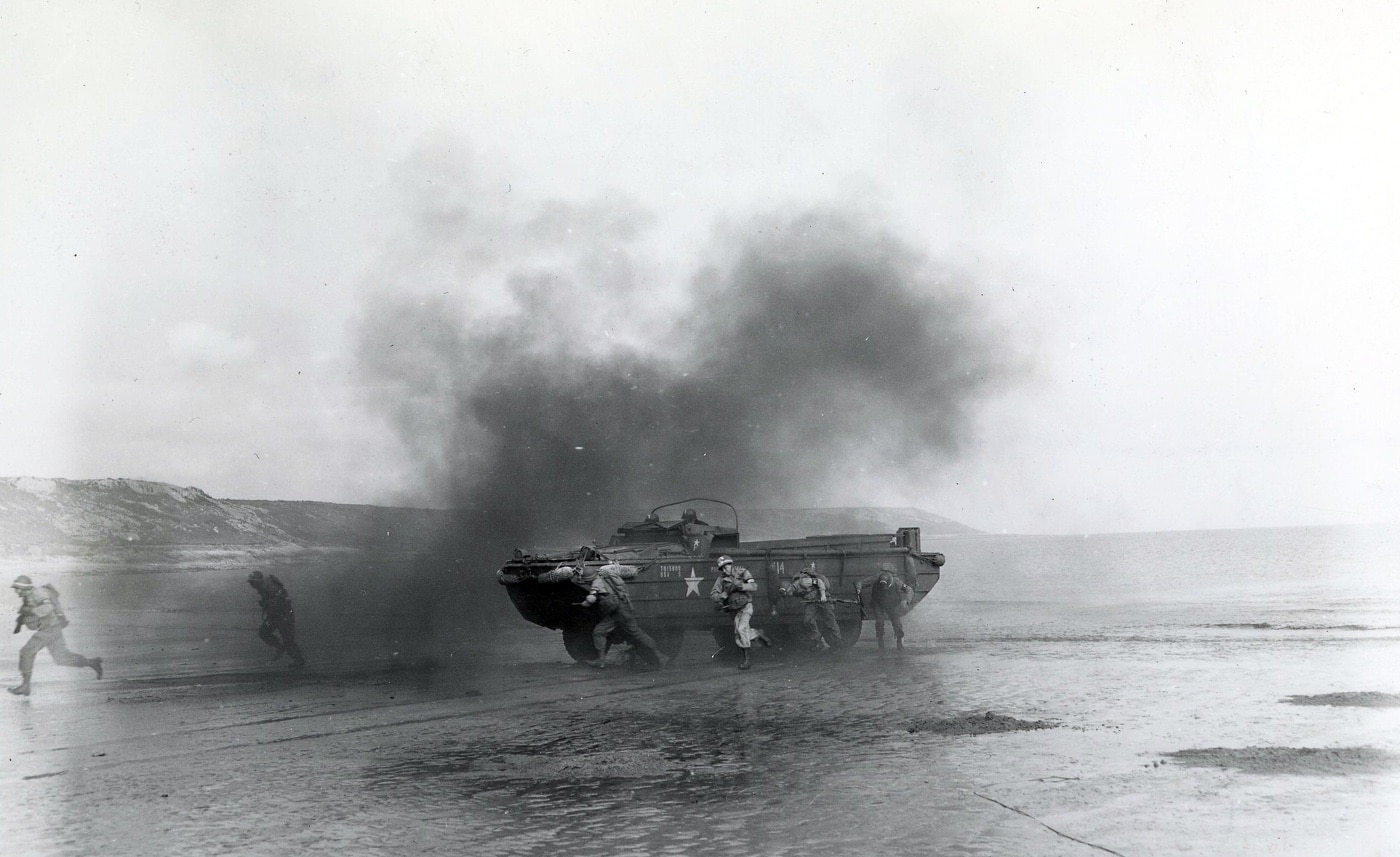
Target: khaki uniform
x=733 y=592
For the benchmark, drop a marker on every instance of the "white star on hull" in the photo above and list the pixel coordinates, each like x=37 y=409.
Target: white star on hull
x=692 y=584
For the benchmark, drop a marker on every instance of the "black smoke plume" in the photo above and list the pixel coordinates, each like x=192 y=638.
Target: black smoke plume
x=810 y=357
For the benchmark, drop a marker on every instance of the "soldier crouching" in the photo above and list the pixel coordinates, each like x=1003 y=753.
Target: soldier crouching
x=889 y=597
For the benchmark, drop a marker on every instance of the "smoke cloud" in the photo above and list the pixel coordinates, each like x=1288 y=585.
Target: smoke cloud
x=808 y=356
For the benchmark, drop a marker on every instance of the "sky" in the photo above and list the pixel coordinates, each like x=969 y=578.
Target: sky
x=1129 y=266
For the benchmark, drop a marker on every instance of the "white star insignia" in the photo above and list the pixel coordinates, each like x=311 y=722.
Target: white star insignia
x=692 y=584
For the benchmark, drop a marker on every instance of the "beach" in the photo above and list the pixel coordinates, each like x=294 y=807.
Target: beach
x=1197 y=692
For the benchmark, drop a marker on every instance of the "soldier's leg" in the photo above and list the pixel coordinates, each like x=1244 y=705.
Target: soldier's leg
x=743 y=633
x=809 y=621
x=879 y=626
x=26 y=661
x=287 y=628
x=58 y=650
x=830 y=630
x=265 y=633
x=639 y=637
x=600 y=634
x=897 y=623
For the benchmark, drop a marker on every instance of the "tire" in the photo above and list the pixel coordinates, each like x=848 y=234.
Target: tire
x=726 y=652
x=669 y=640
x=579 y=645
x=723 y=636
x=850 y=630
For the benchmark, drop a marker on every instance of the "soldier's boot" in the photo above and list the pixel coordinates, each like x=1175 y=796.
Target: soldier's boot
x=21 y=689
x=745 y=664
x=96 y=664
x=899 y=643
x=763 y=638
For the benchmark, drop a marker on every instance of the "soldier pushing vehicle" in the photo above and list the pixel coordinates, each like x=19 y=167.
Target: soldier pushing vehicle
x=607 y=588
x=279 y=623
x=41 y=612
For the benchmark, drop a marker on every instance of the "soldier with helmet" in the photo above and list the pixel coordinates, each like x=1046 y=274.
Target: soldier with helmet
x=733 y=593
x=41 y=612
x=889 y=597
x=607 y=588
x=279 y=622
x=818 y=610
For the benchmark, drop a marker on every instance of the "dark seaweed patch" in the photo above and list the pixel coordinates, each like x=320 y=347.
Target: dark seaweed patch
x=1357 y=699
x=978 y=724
x=1325 y=761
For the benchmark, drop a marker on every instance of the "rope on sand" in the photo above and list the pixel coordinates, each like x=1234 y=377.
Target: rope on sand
x=1046 y=826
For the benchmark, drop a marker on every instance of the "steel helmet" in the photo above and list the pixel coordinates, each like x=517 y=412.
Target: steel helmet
x=724 y=562
x=22 y=582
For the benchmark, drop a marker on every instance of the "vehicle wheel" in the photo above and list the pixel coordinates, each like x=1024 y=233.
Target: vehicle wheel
x=726 y=652
x=850 y=630
x=669 y=641
x=579 y=645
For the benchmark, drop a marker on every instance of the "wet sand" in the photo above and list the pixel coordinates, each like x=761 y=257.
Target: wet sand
x=1141 y=746
x=1057 y=696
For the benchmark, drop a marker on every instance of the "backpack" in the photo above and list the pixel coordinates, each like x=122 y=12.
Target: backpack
x=616 y=592
x=59 y=616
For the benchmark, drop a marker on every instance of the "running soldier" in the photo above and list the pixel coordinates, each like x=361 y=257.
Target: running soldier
x=607 y=588
x=278 y=618
x=41 y=612
x=732 y=593
x=889 y=599
x=818 y=610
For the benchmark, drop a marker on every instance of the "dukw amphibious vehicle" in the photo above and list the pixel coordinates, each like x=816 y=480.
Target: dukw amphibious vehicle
x=675 y=562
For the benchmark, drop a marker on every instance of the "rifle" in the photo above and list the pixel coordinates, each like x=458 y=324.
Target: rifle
x=856 y=602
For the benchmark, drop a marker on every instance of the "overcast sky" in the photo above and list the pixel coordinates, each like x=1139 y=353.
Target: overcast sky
x=1184 y=213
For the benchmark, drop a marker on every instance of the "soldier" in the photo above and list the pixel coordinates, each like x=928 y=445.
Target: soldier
x=607 y=588
x=41 y=612
x=818 y=610
x=889 y=597
x=278 y=618
x=732 y=593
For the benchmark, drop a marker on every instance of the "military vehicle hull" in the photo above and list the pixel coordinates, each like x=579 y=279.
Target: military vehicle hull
x=675 y=563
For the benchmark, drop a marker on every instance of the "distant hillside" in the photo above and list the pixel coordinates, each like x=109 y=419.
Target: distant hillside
x=107 y=513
